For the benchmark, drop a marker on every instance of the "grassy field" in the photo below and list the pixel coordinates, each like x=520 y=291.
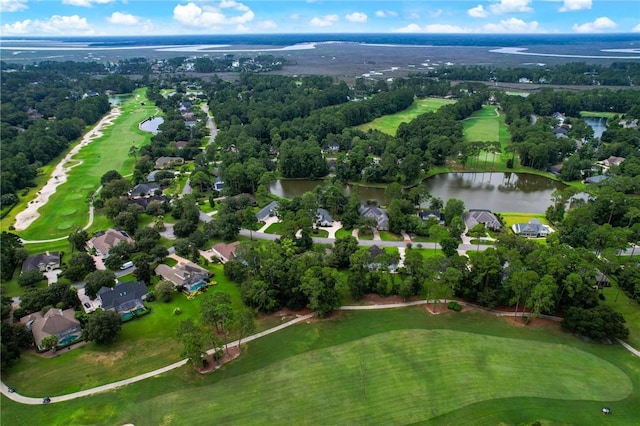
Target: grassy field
x=607 y=114
x=390 y=123
x=386 y=367
x=630 y=310
x=341 y=233
x=487 y=125
x=68 y=208
x=510 y=218
x=388 y=236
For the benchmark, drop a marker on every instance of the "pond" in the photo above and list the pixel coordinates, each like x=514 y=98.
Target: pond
x=116 y=100
x=151 y=124
x=598 y=124
x=512 y=192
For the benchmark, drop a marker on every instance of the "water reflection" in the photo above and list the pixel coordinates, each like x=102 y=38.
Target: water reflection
x=598 y=124
x=151 y=124
x=517 y=192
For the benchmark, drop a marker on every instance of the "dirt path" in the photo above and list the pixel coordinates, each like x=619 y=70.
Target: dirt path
x=60 y=173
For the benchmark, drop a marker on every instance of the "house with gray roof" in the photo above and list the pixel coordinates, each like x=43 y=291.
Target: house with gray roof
x=382 y=220
x=533 y=229
x=485 y=217
x=596 y=179
x=323 y=218
x=267 y=211
x=167 y=162
x=43 y=262
x=185 y=274
x=144 y=190
x=124 y=297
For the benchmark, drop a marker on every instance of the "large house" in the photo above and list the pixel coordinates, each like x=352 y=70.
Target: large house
x=185 y=274
x=125 y=297
x=225 y=252
x=431 y=214
x=43 y=262
x=168 y=162
x=533 y=229
x=267 y=211
x=55 y=322
x=323 y=218
x=485 y=217
x=103 y=242
x=382 y=220
x=144 y=190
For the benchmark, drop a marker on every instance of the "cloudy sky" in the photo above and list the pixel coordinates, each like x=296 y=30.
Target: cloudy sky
x=148 y=17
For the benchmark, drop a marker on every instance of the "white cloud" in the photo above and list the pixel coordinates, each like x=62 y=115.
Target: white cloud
x=432 y=28
x=478 y=12
x=356 y=17
x=324 y=21
x=436 y=13
x=386 y=13
x=119 y=18
x=56 y=25
x=600 y=24
x=573 y=5
x=510 y=6
x=85 y=3
x=267 y=25
x=192 y=15
x=513 y=25
x=13 y=5
x=636 y=29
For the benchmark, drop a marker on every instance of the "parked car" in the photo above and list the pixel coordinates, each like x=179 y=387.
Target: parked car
x=126 y=265
x=11 y=390
x=46 y=400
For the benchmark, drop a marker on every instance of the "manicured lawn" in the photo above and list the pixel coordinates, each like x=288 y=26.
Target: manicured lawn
x=385 y=367
x=429 y=252
x=510 y=218
x=388 y=236
x=630 y=310
x=341 y=233
x=68 y=208
x=363 y=236
x=389 y=123
x=320 y=233
x=486 y=125
x=274 y=228
x=607 y=114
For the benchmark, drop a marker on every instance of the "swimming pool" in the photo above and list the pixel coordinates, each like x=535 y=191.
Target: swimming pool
x=198 y=286
x=67 y=340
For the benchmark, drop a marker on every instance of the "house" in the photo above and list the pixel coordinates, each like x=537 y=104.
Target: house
x=375 y=263
x=533 y=229
x=144 y=202
x=187 y=275
x=125 y=297
x=55 y=322
x=151 y=177
x=225 y=252
x=181 y=144
x=167 y=162
x=267 y=211
x=486 y=217
x=144 y=190
x=323 y=218
x=218 y=184
x=611 y=161
x=43 y=262
x=596 y=179
x=561 y=132
x=560 y=117
x=602 y=280
x=382 y=220
x=428 y=214
x=103 y=241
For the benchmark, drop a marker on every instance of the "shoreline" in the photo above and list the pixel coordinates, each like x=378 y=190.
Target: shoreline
x=60 y=173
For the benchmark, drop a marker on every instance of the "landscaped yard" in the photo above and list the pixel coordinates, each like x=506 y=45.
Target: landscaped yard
x=388 y=236
x=395 y=366
x=389 y=123
x=68 y=208
x=341 y=233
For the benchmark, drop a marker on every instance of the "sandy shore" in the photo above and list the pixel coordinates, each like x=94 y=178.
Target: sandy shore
x=60 y=173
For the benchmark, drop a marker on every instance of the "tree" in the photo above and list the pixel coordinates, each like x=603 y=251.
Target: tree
x=542 y=295
x=98 y=279
x=192 y=339
x=451 y=278
x=248 y=220
x=319 y=285
x=453 y=208
x=245 y=324
x=109 y=176
x=9 y=243
x=49 y=342
x=30 y=277
x=597 y=323
x=343 y=248
x=216 y=310
x=201 y=180
x=164 y=290
x=79 y=265
x=144 y=266
x=103 y=327
x=449 y=246
x=78 y=240
x=521 y=282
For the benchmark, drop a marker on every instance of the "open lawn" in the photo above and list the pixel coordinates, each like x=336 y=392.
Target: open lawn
x=274 y=228
x=630 y=310
x=487 y=125
x=510 y=218
x=341 y=233
x=388 y=236
x=68 y=208
x=607 y=114
x=389 y=123
x=395 y=366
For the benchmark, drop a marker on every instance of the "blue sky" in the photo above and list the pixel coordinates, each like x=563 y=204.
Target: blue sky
x=148 y=17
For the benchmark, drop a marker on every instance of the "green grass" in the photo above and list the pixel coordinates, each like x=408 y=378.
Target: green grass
x=429 y=252
x=274 y=228
x=321 y=233
x=68 y=208
x=388 y=236
x=510 y=218
x=341 y=233
x=630 y=310
x=607 y=114
x=486 y=125
x=389 y=123
x=386 y=367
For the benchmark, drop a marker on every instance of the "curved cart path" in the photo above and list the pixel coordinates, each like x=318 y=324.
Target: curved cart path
x=110 y=386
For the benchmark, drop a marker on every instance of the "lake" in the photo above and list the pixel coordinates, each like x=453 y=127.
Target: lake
x=514 y=192
x=151 y=124
x=598 y=124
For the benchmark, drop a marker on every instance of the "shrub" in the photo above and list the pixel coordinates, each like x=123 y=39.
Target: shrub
x=454 y=306
x=177 y=311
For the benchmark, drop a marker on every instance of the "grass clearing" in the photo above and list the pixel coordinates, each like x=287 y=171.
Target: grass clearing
x=630 y=310
x=388 y=236
x=510 y=218
x=394 y=366
x=109 y=152
x=274 y=228
x=341 y=233
x=487 y=125
x=389 y=123
x=606 y=114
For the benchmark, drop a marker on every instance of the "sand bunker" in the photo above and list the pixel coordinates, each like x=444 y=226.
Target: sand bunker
x=60 y=173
